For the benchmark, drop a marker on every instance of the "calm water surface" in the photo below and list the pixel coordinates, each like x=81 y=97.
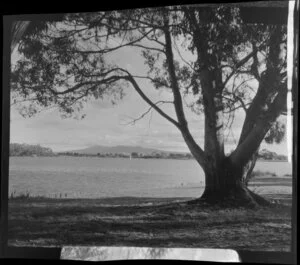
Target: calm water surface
x=92 y=177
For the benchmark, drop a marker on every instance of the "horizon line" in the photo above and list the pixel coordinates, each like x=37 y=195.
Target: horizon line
x=120 y=145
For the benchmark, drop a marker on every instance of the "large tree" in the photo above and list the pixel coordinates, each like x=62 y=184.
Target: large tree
x=204 y=53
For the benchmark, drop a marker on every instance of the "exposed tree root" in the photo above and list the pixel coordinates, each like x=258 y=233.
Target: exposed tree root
x=241 y=197
x=249 y=201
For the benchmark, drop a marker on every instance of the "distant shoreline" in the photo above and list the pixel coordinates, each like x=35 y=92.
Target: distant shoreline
x=128 y=152
x=272 y=160
x=167 y=158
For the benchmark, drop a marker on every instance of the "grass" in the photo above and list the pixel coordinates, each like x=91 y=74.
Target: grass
x=67 y=222
x=148 y=222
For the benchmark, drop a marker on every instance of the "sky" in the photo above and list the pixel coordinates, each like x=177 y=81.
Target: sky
x=109 y=125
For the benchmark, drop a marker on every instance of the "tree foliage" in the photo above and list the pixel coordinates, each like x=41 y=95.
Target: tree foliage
x=29 y=150
x=276 y=133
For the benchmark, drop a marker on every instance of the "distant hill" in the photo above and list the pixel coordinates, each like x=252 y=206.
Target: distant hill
x=124 y=149
x=29 y=150
x=93 y=150
x=37 y=150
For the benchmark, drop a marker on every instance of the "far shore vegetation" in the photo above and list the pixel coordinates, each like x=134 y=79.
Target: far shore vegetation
x=37 y=150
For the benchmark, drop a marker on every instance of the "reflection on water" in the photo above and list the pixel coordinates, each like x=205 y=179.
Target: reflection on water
x=125 y=253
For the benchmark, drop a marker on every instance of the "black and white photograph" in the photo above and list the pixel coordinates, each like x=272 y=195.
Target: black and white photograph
x=160 y=127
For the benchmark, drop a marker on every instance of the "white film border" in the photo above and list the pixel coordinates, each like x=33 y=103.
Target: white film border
x=290 y=65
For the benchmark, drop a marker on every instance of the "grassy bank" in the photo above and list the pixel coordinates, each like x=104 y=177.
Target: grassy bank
x=164 y=222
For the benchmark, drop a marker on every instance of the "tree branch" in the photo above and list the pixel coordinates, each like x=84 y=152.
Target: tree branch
x=195 y=149
x=242 y=102
x=174 y=83
x=148 y=48
x=147 y=111
x=131 y=79
x=242 y=105
x=78 y=86
x=234 y=109
x=242 y=62
x=180 y=55
x=153 y=80
x=251 y=143
x=103 y=51
x=15 y=102
x=155 y=40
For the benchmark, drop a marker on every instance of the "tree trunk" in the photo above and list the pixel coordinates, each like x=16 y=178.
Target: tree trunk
x=226 y=177
x=227 y=186
x=249 y=168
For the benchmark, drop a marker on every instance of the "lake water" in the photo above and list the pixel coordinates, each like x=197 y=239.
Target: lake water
x=93 y=177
